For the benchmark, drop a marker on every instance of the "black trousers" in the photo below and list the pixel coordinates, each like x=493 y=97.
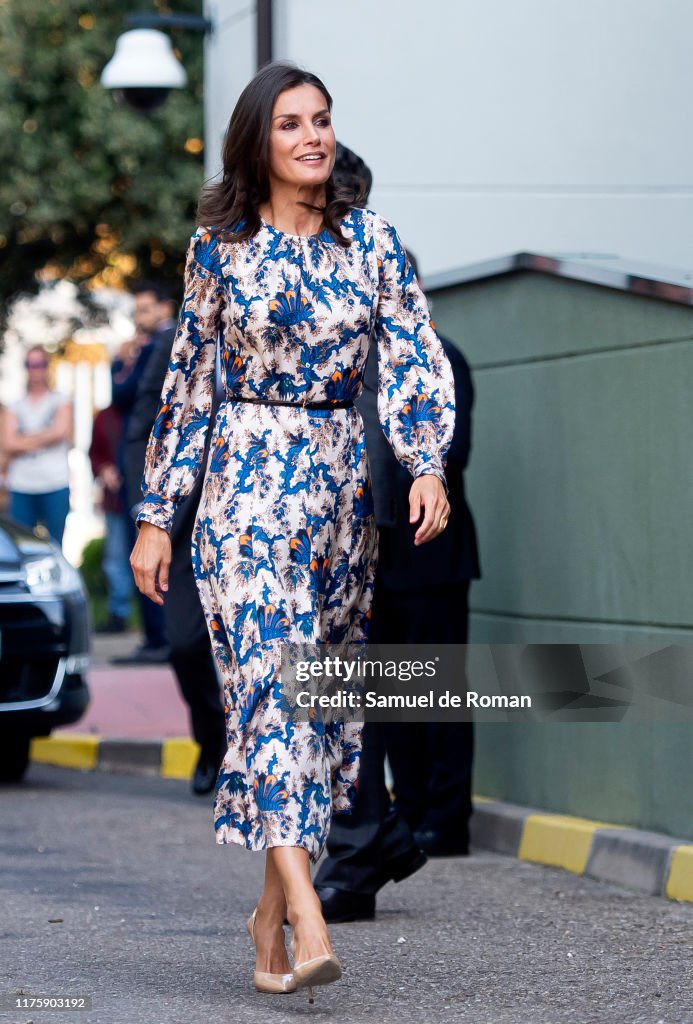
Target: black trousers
x=360 y=843
x=152 y=614
x=187 y=634
x=431 y=762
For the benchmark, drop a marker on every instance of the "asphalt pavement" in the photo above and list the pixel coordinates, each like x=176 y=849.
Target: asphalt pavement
x=112 y=887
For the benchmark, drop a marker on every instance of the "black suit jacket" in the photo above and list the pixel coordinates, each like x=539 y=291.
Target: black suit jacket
x=145 y=406
x=453 y=556
x=141 y=421
x=185 y=625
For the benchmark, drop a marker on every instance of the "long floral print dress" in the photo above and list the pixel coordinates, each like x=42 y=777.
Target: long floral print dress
x=285 y=544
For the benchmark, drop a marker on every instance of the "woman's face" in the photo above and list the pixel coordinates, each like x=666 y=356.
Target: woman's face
x=37 y=368
x=301 y=141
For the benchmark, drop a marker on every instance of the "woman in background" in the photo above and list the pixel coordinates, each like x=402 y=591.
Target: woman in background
x=37 y=431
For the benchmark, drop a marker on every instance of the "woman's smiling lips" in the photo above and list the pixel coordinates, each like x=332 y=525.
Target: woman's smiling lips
x=308 y=158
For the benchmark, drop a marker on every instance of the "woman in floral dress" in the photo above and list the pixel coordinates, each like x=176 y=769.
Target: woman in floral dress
x=295 y=279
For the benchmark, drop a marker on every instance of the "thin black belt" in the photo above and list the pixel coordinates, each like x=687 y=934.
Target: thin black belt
x=327 y=403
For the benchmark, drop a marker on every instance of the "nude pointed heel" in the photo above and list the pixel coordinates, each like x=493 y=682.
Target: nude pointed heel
x=319 y=970
x=264 y=981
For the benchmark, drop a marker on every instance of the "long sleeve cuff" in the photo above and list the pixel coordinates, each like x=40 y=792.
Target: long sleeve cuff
x=430 y=464
x=158 y=511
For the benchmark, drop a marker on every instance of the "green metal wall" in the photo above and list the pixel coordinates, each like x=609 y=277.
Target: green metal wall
x=581 y=483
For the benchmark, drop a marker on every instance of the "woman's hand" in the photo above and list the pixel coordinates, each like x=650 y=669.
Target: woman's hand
x=151 y=557
x=110 y=478
x=427 y=493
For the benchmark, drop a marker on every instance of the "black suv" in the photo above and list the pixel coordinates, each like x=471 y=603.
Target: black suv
x=44 y=643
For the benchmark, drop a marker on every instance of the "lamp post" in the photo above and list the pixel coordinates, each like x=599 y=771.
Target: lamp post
x=264 y=32
x=144 y=68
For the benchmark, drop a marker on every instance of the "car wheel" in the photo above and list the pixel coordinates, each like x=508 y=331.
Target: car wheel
x=14 y=757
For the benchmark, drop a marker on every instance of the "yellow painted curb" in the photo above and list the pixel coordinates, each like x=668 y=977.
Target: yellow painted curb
x=178 y=758
x=75 y=750
x=680 y=880
x=559 y=840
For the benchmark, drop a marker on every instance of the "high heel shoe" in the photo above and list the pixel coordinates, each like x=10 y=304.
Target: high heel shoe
x=263 y=980
x=319 y=970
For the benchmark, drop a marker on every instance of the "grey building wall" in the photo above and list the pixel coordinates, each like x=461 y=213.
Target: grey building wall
x=498 y=126
x=581 y=485
x=230 y=63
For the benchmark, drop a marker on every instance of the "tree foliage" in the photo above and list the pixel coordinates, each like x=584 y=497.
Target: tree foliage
x=90 y=189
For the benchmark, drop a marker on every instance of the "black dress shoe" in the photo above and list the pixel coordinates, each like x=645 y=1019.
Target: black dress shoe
x=443 y=844
x=340 y=905
x=114 y=624
x=396 y=869
x=204 y=777
x=144 y=655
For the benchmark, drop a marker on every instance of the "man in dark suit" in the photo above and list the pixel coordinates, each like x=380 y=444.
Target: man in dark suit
x=152 y=314
x=420 y=597
x=423 y=599
x=184 y=623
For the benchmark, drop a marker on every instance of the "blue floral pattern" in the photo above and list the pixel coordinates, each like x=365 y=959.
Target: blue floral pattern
x=285 y=546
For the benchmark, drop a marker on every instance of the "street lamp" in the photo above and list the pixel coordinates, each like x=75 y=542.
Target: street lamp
x=144 y=69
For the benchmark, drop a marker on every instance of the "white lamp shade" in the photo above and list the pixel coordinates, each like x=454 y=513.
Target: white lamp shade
x=143 y=59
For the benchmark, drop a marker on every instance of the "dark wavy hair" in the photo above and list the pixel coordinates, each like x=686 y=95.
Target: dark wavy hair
x=230 y=206
x=352 y=171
